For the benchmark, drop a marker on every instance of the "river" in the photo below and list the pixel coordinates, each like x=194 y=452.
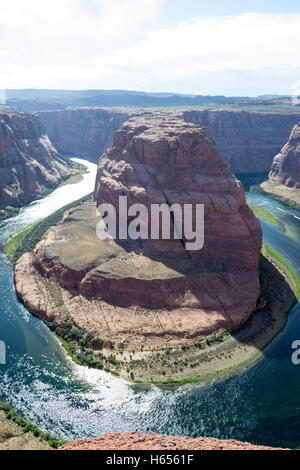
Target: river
x=260 y=404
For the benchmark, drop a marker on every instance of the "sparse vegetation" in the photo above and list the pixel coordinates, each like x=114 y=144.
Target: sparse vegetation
x=84 y=347
x=258 y=189
x=9 y=212
x=279 y=261
x=26 y=241
x=29 y=427
x=264 y=214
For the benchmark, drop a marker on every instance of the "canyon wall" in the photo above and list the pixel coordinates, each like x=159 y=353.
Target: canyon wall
x=247 y=141
x=28 y=161
x=286 y=165
x=85 y=131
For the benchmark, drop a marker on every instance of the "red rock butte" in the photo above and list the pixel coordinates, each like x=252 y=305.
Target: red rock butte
x=161 y=159
x=150 y=291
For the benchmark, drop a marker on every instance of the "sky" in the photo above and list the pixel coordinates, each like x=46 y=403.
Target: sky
x=215 y=47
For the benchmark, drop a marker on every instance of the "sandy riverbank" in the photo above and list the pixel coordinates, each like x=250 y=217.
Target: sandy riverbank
x=289 y=196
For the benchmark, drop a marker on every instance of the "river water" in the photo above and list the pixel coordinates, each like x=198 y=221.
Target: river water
x=260 y=404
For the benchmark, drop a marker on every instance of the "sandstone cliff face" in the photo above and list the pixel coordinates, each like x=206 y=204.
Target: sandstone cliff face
x=247 y=141
x=158 y=158
x=28 y=161
x=151 y=441
x=286 y=165
x=85 y=131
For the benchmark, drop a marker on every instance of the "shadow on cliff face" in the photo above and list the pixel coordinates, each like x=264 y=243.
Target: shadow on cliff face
x=168 y=282
x=276 y=297
x=184 y=263
x=112 y=271
x=251 y=179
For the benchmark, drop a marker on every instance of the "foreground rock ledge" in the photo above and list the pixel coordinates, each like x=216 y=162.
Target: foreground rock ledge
x=151 y=441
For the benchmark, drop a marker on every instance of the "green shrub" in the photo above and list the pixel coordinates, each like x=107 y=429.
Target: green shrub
x=36 y=432
x=28 y=427
x=55 y=444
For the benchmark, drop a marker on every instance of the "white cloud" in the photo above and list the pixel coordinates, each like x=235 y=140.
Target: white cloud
x=70 y=32
x=122 y=44
x=246 y=42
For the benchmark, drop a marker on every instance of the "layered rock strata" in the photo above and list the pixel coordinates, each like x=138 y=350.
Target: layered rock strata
x=248 y=141
x=84 y=131
x=286 y=165
x=28 y=161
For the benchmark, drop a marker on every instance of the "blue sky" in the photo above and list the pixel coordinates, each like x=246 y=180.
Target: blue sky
x=184 y=46
x=180 y=10
x=174 y=11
